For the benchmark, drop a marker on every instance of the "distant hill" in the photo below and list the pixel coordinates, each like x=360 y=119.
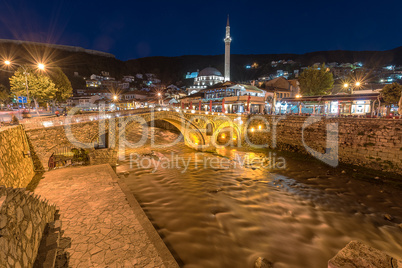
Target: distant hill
x=173 y=69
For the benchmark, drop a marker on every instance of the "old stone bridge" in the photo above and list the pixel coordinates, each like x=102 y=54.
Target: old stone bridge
x=201 y=131
x=375 y=143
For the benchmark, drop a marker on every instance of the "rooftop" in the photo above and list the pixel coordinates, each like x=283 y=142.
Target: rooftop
x=209 y=71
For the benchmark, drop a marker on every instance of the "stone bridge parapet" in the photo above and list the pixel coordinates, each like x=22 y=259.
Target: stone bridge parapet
x=376 y=143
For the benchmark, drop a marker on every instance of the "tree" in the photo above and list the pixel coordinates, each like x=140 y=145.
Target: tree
x=40 y=86
x=316 y=81
x=62 y=84
x=391 y=95
x=4 y=94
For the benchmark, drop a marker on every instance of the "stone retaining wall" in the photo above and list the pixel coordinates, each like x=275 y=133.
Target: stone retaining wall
x=103 y=156
x=46 y=141
x=373 y=143
x=23 y=217
x=16 y=166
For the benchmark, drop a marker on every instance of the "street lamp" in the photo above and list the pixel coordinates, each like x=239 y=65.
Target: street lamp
x=40 y=66
x=352 y=86
x=159 y=98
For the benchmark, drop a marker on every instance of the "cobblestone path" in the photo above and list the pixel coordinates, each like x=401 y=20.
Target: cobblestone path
x=103 y=227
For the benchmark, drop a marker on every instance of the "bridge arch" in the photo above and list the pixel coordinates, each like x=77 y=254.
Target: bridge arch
x=192 y=134
x=220 y=134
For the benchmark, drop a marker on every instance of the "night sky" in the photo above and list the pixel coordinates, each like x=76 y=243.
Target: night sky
x=133 y=29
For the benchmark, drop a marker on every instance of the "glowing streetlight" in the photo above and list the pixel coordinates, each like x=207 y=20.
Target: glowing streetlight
x=346 y=85
x=358 y=84
x=159 y=96
x=298 y=96
x=41 y=66
x=115 y=97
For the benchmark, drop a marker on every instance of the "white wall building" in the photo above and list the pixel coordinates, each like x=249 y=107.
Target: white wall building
x=207 y=77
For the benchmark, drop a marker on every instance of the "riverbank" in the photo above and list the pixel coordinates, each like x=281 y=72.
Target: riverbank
x=106 y=225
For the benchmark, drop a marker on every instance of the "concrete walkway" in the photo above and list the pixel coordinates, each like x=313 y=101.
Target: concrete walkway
x=104 y=221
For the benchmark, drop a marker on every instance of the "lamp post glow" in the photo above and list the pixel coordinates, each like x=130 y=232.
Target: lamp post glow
x=40 y=66
x=160 y=98
x=352 y=86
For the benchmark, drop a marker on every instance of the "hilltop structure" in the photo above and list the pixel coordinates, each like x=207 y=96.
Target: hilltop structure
x=211 y=76
x=207 y=77
x=227 y=40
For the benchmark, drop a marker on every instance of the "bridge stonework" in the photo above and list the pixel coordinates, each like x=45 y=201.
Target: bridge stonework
x=193 y=126
x=375 y=143
x=46 y=140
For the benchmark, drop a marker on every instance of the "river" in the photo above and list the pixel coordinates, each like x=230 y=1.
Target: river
x=214 y=216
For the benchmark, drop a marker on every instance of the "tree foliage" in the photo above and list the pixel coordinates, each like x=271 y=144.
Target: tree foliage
x=62 y=84
x=392 y=93
x=4 y=94
x=316 y=81
x=40 y=86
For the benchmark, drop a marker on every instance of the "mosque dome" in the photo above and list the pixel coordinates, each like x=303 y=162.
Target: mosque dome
x=209 y=71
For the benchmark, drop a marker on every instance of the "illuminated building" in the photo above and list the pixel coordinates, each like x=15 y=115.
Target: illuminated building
x=207 y=77
x=236 y=97
x=211 y=76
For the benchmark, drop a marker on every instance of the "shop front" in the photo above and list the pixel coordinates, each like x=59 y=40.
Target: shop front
x=343 y=104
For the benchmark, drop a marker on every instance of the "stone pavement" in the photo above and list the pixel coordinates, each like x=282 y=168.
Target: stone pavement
x=106 y=225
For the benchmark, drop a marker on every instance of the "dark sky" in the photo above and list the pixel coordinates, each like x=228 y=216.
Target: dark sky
x=133 y=29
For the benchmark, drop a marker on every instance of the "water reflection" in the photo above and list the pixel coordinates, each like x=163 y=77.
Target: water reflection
x=217 y=217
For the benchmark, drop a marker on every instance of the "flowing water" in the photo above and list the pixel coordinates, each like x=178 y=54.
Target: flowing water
x=212 y=216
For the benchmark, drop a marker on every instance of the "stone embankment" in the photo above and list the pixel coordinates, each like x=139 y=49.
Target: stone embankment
x=16 y=166
x=372 y=143
x=46 y=141
x=23 y=218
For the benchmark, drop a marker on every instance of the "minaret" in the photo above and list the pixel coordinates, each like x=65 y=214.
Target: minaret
x=228 y=40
